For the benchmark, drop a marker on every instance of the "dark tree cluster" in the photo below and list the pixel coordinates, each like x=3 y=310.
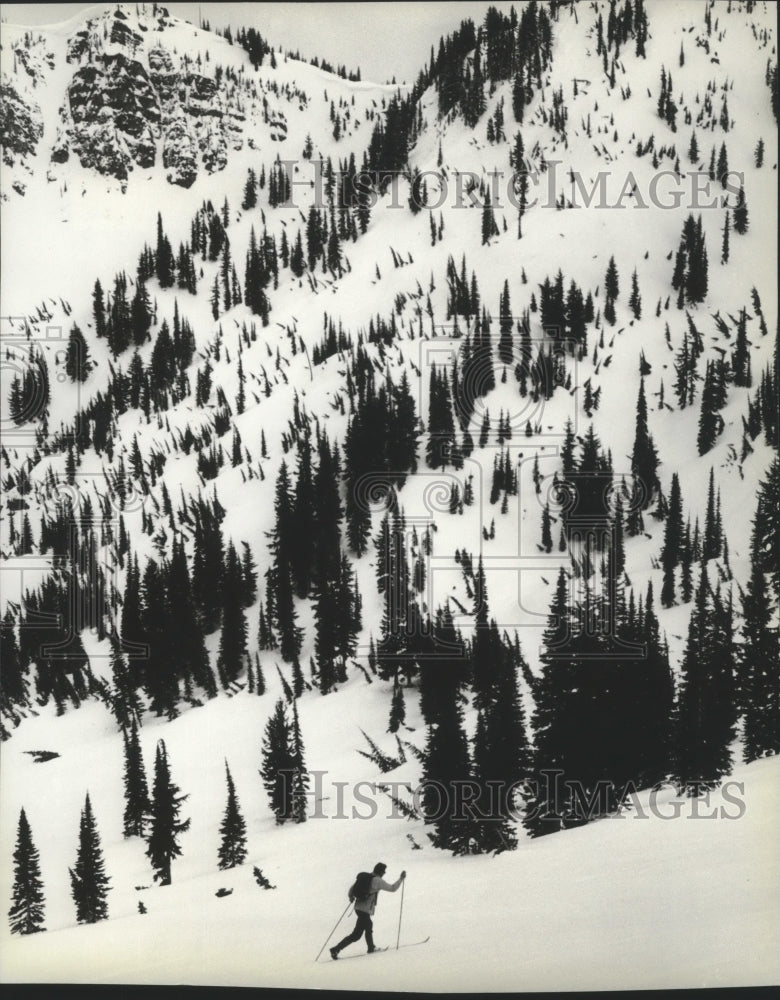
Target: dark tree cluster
x=603 y=705
x=690 y=278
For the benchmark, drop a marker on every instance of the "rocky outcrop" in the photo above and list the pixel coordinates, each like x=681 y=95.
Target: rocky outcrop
x=214 y=149
x=132 y=101
x=180 y=154
x=21 y=125
x=116 y=115
x=101 y=147
x=163 y=75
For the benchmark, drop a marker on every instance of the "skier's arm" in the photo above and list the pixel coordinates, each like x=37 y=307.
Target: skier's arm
x=391 y=888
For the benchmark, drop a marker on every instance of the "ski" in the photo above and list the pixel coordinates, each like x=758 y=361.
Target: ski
x=411 y=944
x=366 y=954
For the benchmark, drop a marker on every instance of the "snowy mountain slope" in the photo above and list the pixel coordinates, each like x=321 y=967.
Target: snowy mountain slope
x=654 y=902
x=82 y=216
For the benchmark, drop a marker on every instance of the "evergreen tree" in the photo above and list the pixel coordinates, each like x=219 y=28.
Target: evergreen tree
x=119 y=323
x=303 y=542
x=282 y=546
x=26 y=915
x=137 y=803
x=489 y=227
x=723 y=164
x=644 y=459
x=446 y=760
x=546 y=529
x=724 y=254
x=250 y=191
x=161 y=678
x=708 y=416
x=88 y=880
x=650 y=702
x=500 y=746
x=741 y=213
x=397 y=708
x=711 y=543
x=300 y=782
x=163 y=258
x=12 y=683
x=283 y=767
x=441 y=445
x=740 y=362
x=140 y=314
x=611 y=283
x=166 y=823
x=232 y=848
x=99 y=310
x=673 y=541
x=705 y=714
x=77 y=363
x=233 y=656
x=759 y=661
x=635 y=302
x=189 y=659
x=767 y=524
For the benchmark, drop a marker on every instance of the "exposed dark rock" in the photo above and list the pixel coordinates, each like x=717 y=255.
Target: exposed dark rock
x=117 y=116
x=180 y=154
x=163 y=75
x=78 y=46
x=131 y=97
x=21 y=126
x=101 y=147
x=123 y=34
x=214 y=151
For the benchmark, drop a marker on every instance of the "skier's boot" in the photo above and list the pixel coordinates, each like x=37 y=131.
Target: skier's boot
x=334 y=954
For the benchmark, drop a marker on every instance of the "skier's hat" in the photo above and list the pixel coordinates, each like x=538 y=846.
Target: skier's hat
x=380 y=868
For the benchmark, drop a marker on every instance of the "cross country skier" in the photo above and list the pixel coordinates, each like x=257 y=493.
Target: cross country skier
x=363 y=893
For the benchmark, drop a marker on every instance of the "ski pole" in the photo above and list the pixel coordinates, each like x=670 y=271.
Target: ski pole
x=331 y=933
x=401 y=913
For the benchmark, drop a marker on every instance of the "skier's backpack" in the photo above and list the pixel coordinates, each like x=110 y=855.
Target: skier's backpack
x=360 y=889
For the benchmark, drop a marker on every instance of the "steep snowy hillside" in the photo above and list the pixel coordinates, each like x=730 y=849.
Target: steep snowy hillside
x=393 y=435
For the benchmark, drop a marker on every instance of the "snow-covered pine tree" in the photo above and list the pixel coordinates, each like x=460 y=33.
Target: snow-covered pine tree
x=283 y=766
x=300 y=777
x=233 y=655
x=500 y=747
x=446 y=758
x=741 y=213
x=759 y=657
x=166 y=825
x=88 y=880
x=163 y=258
x=190 y=659
x=705 y=716
x=397 y=708
x=136 y=790
x=740 y=360
x=673 y=541
x=303 y=542
x=505 y=345
x=635 y=301
x=644 y=458
x=232 y=848
x=77 y=363
x=282 y=547
x=28 y=905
